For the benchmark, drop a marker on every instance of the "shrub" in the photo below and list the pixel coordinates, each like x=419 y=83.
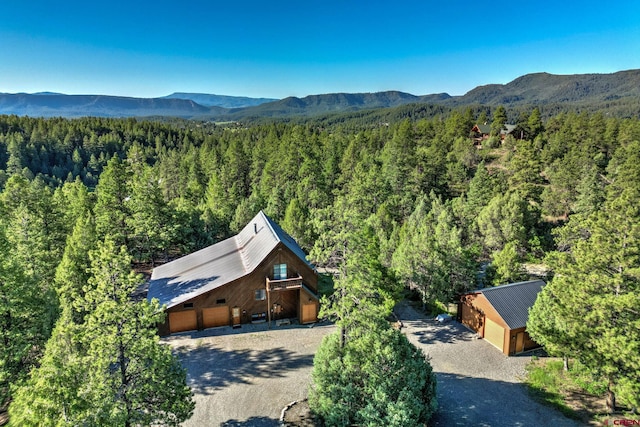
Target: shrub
x=378 y=378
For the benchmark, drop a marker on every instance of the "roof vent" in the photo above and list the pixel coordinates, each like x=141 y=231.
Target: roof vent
x=255 y=228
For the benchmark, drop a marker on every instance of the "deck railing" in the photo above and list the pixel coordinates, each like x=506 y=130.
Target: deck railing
x=284 y=284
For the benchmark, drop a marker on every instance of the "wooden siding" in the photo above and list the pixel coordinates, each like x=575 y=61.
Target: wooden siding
x=474 y=311
x=478 y=306
x=241 y=293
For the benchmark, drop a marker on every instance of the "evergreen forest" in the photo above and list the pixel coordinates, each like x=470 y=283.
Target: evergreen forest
x=414 y=202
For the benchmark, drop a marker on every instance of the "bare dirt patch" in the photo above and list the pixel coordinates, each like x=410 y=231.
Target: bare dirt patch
x=299 y=415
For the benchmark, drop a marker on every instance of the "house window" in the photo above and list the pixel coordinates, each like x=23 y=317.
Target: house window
x=261 y=295
x=280 y=271
x=221 y=301
x=187 y=305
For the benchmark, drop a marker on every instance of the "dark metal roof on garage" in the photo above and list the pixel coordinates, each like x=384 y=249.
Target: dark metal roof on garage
x=513 y=301
x=185 y=278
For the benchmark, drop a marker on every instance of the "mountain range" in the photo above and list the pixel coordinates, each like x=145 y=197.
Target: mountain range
x=532 y=89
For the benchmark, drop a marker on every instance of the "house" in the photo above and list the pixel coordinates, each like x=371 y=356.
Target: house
x=500 y=314
x=481 y=133
x=258 y=275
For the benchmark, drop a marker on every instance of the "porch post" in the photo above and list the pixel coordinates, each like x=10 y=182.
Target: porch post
x=268 y=304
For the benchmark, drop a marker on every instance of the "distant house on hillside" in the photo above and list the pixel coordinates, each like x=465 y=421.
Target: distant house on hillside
x=500 y=314
x=480 y=133
x=256 y=276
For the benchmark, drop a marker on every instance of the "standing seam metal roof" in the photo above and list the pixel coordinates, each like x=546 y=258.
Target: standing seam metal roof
x=185 y=278
x=512 y=301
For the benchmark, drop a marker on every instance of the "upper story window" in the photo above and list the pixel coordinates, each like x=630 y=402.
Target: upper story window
x=279 y=271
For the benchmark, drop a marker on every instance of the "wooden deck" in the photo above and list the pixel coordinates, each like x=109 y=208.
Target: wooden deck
x=284 y=284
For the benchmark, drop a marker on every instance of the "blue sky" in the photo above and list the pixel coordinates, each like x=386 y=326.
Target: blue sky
x=297 y=48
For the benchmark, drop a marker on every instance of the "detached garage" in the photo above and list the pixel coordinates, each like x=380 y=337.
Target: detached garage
x=500 y=314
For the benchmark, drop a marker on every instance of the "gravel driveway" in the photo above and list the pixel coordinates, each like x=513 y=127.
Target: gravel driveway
x=245 y=376
x=477 y=384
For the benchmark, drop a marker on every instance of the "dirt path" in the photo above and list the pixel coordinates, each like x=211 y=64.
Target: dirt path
x=477 y=384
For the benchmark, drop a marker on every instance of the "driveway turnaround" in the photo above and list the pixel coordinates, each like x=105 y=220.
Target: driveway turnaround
x=246 y=376
x=477 y=384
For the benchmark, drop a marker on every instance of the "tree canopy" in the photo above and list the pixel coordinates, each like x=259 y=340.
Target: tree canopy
x=411 y=186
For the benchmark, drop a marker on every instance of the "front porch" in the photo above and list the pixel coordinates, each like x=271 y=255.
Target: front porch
x=306 y=301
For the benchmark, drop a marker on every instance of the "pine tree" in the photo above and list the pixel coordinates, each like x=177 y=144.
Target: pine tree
x=57 y=392
x=25 y=319
x=431 y=255
x=135 y=380
x=597 y=285
x=366 y=291
x=347 y=386
x=505 y=219
x=507 y=265
x=378 y=379
x=534 y=124
x=72 y=274
x=547 y=323
x=150 y=221
x=110 y=369
x=499 y=120
x=112 y=209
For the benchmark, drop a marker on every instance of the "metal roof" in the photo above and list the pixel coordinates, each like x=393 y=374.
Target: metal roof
x=185 y=278
x=512 y=301
x=484 y=128
x=507 y=129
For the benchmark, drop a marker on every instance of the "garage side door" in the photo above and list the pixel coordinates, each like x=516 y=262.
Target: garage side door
x=494 y=333
x=215 y=316
x=309 y=313
x=183 y=321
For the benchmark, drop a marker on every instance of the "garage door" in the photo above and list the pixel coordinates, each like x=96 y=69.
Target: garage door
x=183 y=321
x=494 y=333
x=215 y=316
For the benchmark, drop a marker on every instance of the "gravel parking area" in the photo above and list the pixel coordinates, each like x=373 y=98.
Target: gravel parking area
x=477 y=384
x=245 y=376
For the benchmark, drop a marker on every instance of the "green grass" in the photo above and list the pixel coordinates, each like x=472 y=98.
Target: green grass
x=578 y=393
x=546 y=382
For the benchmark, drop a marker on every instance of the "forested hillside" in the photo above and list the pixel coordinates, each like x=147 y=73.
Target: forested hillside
x=613 y=94
x=435 y=204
